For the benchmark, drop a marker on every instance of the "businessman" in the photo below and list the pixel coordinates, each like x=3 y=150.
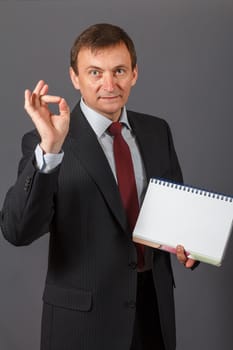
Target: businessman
x=82 y=178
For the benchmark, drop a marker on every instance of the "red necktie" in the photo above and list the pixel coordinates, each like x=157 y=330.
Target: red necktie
x=126 y=181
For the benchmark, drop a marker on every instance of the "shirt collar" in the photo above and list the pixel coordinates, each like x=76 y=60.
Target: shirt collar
x=100 y=123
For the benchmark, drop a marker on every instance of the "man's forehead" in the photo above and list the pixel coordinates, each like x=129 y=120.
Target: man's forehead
x=116 y=52
x=93 y=49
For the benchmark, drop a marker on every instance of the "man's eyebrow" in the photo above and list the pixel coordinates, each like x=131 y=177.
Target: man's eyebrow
x=115 y=67
x=121 y=66
x=93 y=67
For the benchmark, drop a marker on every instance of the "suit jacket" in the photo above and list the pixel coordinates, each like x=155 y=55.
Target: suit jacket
x=90 y=291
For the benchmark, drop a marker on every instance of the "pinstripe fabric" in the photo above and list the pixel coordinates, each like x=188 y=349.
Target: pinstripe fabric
x=90 y=292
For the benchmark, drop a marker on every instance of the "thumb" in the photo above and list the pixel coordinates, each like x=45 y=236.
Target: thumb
x=63 y=107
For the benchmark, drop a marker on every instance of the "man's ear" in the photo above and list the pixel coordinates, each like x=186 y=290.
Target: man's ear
x=135 y=75
x=74 y=78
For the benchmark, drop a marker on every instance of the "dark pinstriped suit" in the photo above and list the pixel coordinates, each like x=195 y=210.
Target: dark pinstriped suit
x=90 y=291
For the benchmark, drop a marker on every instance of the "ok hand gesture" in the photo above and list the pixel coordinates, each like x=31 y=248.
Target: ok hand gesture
x=51 y=127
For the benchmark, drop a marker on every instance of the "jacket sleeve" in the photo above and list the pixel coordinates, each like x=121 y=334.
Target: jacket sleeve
x=29 y=204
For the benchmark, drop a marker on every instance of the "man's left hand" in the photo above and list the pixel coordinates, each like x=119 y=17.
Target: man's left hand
x=182 y=257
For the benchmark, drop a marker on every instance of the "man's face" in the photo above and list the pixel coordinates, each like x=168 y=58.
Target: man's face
x=105 y=78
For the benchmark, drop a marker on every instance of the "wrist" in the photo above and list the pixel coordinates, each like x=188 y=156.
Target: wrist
x=50 y=148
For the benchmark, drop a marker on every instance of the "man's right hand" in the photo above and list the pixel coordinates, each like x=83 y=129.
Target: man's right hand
x=51 y=127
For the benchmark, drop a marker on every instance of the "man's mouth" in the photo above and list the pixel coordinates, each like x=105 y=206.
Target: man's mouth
x=111 y=97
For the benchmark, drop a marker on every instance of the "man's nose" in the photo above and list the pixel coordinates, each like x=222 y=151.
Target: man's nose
x=108 y=82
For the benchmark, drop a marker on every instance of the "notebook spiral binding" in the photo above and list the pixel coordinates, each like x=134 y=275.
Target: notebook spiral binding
x=192 y=189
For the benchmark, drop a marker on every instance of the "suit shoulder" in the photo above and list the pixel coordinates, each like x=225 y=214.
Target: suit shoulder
x=147 y=118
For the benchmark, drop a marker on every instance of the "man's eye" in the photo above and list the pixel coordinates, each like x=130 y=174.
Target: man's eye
x=94 y=73
x=120 y=71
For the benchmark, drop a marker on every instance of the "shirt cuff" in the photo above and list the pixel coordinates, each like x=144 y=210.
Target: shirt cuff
x=47 y=162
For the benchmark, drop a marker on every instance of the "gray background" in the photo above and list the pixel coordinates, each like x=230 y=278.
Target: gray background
x=185 y=58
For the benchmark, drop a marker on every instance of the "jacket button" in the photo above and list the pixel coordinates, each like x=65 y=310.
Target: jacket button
x=28 y=180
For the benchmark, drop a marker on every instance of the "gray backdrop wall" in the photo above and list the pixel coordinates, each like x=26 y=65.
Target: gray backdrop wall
x=185 y=56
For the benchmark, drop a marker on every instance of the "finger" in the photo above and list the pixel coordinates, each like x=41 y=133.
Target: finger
x=64 y=108
x=180 y=253
x=38 y=87
x=27 y=95
x=44 y=90
x=35 y=100
x=189 y=263
x=50 y=99
x=29 y=100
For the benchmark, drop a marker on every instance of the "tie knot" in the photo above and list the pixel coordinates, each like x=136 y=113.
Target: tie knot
x=115 y=128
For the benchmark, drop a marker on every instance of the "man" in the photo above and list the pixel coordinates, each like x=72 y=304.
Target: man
x=102 y=291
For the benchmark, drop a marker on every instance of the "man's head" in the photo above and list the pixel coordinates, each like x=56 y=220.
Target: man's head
x=104 y=68
x=101 y=36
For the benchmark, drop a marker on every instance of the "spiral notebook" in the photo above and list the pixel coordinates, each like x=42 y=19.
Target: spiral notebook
x=173 y=214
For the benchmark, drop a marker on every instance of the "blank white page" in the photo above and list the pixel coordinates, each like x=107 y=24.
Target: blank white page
x=174 y=214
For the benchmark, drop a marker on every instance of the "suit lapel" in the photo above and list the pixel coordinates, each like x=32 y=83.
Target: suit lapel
x=85 y=146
